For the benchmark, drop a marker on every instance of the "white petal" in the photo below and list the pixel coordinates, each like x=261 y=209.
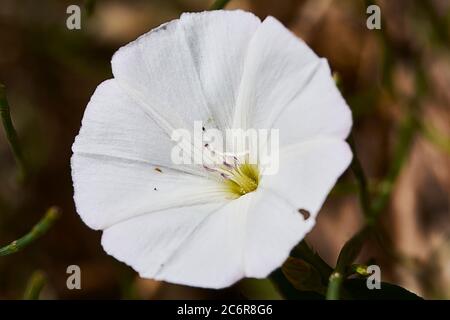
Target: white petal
x=278 y=64
x=318 y=111
x=114 y=125
x=116 y=155
x=308 y=171
x=108 y=190
x=199 y=246
x=286 y=86
x=146 y=242
x=273 y=228
x=189 y=69
x=218 y=42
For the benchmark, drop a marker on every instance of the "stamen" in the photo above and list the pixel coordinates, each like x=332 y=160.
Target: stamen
x=227 y=164
x=244 y=179
x=239 y=178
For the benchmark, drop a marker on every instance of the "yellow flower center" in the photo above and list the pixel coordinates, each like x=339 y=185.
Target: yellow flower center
x=242 y=179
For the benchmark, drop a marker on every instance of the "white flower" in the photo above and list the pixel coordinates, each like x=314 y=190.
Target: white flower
x=179 y=223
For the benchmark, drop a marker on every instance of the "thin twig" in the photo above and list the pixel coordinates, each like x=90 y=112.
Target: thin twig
x=34 y=286
x=11 y=133
x=361 y=180
x=37 y=231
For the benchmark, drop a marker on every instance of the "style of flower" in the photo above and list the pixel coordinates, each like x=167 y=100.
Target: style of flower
x=200 y=225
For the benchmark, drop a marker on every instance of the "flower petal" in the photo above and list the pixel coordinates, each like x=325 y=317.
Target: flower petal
x=308 y=171
x=114 y=125
x=121 y=165
x=286 y=86
x=318 y=111
x=273 y=228
x=189 y=69
x=197 y=246
x=218 y=42
x=108 y=190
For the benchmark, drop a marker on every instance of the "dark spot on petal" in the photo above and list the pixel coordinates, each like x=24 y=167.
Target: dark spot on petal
x=203 y=129
x=206 y=145
x=155 y=189
x=160 y=28
x=304 y=213
x=158 y=169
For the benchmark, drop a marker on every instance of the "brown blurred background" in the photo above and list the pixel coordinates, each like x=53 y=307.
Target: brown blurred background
x=395 y=78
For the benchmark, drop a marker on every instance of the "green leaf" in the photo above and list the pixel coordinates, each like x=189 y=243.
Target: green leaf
x=302 y=275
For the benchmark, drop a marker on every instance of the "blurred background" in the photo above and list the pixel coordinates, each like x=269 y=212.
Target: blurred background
x=396 y=80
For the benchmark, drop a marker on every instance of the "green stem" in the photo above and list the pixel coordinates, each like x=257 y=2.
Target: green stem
x=11 y=133
x=348 y=254
x=334 y=285
x=34 y=286
x=37 y=231
x=219 y=4
x=353 y=246
x=371 y=211
x=361 y=180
